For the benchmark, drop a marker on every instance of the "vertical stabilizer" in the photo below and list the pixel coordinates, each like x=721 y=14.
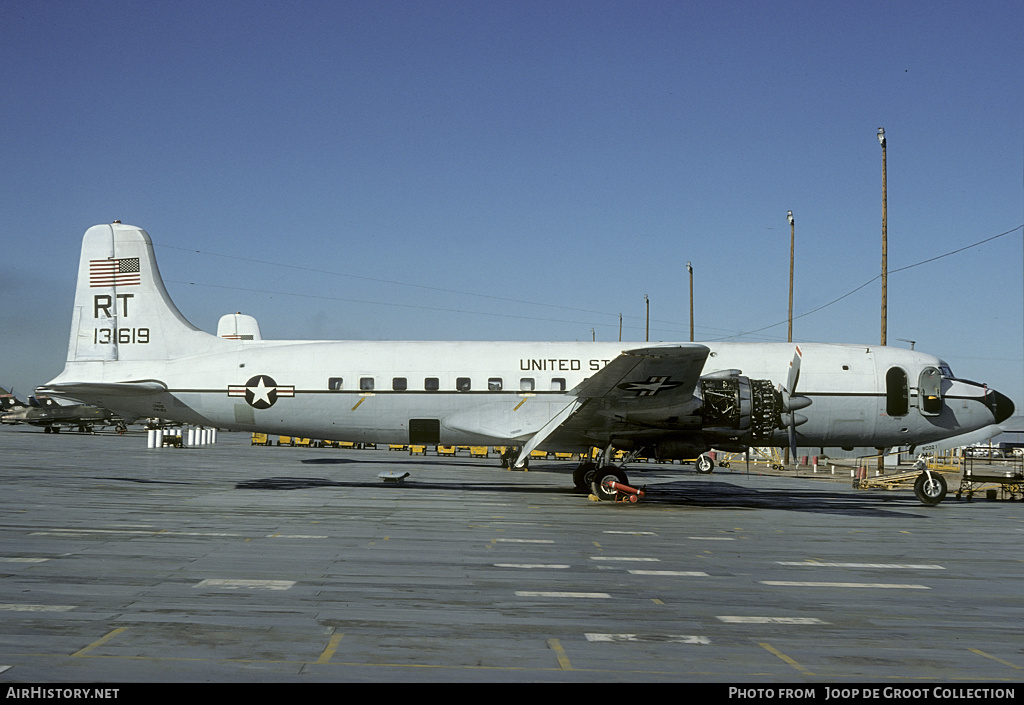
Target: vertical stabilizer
x=122 y=310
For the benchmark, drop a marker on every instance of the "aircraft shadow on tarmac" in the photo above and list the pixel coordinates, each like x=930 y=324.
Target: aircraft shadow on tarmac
x=703 y=493
x=303 y=483
x=714 y=494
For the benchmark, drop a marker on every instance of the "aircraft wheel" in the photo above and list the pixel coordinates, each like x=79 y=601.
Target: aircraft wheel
x=704 y=464
x=583 y=474
x=601 y=477
x=930 y=488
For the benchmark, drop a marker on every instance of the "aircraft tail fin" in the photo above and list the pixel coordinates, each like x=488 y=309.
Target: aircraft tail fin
x=122 y=310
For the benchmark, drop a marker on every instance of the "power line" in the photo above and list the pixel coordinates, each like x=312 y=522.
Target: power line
x=672 y=325
x=876 y=278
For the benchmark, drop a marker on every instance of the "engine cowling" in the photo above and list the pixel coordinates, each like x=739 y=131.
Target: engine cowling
x=736 y=412
x=740 y=408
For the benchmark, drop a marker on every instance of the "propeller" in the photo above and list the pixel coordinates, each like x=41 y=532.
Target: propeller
x=791 y=402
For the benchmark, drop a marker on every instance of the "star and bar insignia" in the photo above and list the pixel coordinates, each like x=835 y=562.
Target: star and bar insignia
x=261 y=391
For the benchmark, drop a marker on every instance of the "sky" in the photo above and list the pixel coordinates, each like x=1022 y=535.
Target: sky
x=492 y=170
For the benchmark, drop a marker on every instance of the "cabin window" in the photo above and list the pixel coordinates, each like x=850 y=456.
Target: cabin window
x=494 y=384
x=366 y=384
x=431 y=384
x=399 y=384
x=897 y=392
x=558 y=384
x=335 y=384
x=462 y=384
x=929 y=389
x=527 y=384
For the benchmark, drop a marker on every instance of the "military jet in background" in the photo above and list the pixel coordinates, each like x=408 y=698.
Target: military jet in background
x=9 y=402
x=52 y=416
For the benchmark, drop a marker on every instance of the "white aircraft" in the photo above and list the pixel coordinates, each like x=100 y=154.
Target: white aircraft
x=133 y=352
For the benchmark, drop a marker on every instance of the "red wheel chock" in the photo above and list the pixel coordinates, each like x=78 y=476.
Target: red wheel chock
x=624 y=493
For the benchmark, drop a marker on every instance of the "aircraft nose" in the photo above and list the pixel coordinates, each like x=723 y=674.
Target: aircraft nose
x=1002 y=407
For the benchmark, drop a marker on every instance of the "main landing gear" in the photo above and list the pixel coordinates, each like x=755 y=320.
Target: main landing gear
x=605 y=481
x=609 y=483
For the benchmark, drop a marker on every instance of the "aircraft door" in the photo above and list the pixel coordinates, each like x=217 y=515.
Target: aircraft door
x=424 y=431
x=929 y=392
x=897 y=392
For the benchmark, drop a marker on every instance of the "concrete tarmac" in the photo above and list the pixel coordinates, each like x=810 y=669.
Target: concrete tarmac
x=240 y=563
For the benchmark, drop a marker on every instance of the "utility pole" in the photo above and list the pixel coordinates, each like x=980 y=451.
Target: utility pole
x=885 y=268
x=885 y=243
x=689 y=268
x=792 y=244
x=647 y=330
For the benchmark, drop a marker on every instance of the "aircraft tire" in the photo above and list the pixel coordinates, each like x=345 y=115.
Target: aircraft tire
x=597 y=484
x=704 y=464
x=931 y=489
x=583 y=474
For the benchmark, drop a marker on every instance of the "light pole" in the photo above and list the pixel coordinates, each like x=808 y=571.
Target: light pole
x=885 y=243
x=689 y=268
x=792 y=244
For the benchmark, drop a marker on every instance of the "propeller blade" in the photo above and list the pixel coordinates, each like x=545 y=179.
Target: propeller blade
x=791 y=402
x=794 y=371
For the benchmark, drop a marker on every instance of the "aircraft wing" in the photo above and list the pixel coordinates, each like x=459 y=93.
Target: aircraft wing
x=643 y=384
x=648 y=376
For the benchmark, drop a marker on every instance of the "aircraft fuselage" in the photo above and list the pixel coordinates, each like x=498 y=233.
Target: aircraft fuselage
x=502 y=392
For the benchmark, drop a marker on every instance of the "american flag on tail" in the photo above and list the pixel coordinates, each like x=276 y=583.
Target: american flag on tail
x=114 y=272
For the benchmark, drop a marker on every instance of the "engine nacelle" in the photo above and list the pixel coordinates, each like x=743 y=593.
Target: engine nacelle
x=730 y=412
x=740 y=407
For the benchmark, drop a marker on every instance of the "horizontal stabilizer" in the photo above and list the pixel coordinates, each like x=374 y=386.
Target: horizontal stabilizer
x=76 y=390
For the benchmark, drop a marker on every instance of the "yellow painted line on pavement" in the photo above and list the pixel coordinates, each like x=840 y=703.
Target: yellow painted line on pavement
x=563 y=658
x=772 y=650
x=332 y=646
x=1005 y=663
x=99 y=642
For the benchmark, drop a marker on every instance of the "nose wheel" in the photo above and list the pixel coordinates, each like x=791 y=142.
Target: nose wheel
x=930 y=487
x=704 y=464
